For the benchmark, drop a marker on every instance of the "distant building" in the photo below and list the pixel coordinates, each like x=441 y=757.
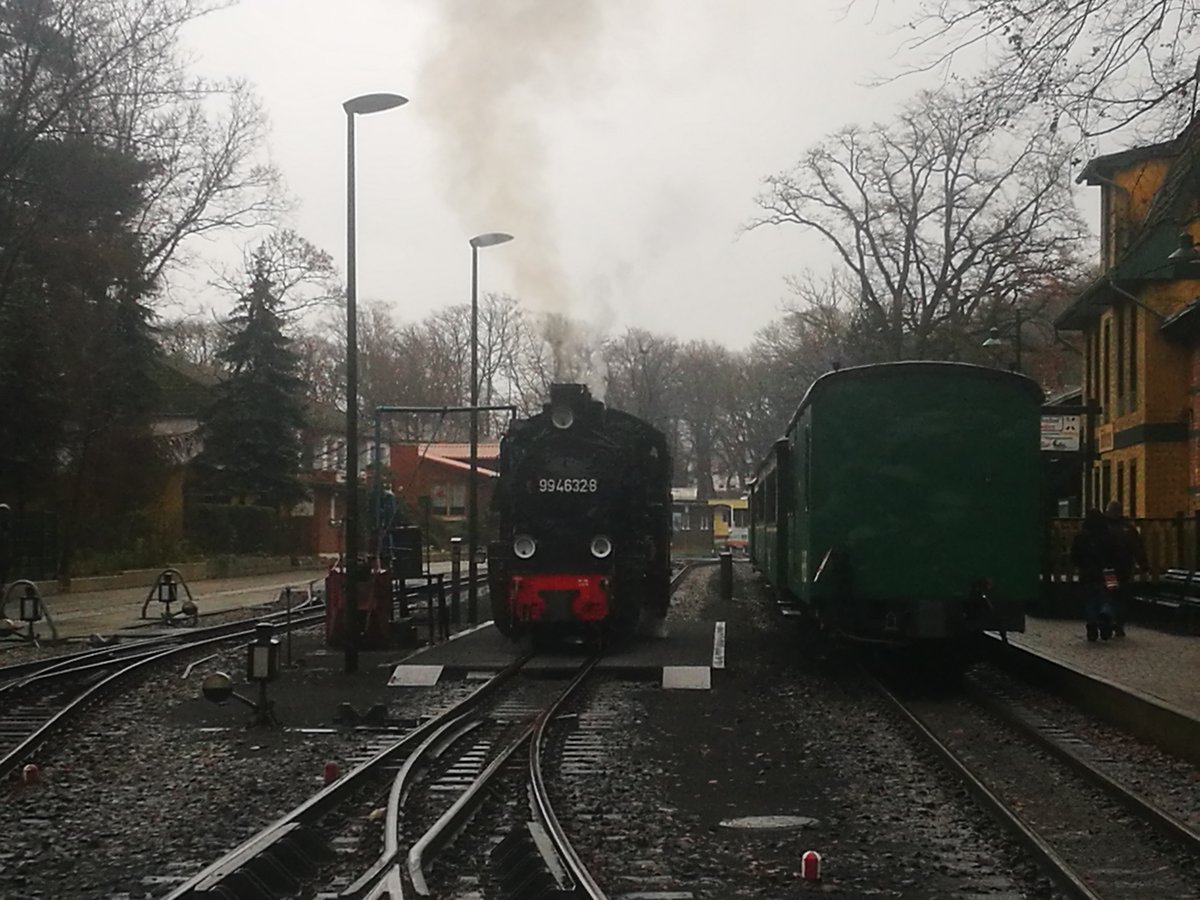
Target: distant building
x=1140 y=322
x=441 y=473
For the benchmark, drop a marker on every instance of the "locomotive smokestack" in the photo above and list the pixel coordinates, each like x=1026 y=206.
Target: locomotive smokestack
x=574 y=395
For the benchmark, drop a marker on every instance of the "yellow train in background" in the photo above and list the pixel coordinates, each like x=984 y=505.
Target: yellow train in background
x=705 y=527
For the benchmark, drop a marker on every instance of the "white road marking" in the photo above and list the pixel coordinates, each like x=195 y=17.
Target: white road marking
x=719 y=646
x=415 y=676
x=687 y=678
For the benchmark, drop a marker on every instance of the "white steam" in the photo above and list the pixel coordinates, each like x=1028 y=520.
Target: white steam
x=496 y=68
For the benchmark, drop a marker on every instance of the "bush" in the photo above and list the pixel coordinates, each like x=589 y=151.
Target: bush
x=216 y=529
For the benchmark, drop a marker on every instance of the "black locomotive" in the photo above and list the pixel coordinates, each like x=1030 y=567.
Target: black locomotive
x=584 y=508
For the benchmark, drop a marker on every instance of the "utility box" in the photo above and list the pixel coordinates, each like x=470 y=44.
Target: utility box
x=406 y=547
x=374 y=607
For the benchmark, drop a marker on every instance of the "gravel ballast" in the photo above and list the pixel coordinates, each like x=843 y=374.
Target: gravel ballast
x=149 y=788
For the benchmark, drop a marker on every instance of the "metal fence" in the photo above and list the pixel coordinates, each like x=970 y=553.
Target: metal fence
x=1170 y=544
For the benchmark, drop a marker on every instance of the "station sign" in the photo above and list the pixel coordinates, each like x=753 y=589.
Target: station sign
x=1062 y=433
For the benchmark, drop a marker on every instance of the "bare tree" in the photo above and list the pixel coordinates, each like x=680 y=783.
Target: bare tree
x=755 y=410
x=643 y=371
x=110 y=70
x=706 y=370
x=193 y=339
x=208 y=178
x=1102 y=64
x=939 y=217
x=556 y=348
x=304 y=276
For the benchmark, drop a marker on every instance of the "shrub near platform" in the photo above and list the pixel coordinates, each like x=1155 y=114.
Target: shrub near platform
x=222 y=529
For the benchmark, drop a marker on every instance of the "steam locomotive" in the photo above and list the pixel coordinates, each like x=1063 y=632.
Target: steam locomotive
x=583 y=504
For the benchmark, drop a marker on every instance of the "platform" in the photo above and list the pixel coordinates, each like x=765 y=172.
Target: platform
x=683 y=659
x=113 y=611
x=1163 y=666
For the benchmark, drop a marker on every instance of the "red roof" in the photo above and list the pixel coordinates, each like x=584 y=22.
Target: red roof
x=488 y=450
x=460 y=466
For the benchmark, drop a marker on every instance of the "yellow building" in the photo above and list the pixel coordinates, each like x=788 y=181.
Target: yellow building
x=731 y=523
x=1140 y=324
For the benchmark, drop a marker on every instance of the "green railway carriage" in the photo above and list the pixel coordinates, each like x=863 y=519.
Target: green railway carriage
x=905 y=502
x=768 y=536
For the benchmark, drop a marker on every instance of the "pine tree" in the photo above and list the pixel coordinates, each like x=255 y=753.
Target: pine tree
x=251 y=432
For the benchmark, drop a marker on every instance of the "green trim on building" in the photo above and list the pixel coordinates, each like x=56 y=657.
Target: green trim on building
x=1151 y=433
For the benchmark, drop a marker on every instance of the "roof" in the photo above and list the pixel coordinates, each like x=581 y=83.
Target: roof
x=1068 y=397
x=1174 y=205
x=907 y=367
x=1183 y=324
x=1098 y=169
x=459 y=466
x=484 y=450
x=184 y=389
x=1181 y=184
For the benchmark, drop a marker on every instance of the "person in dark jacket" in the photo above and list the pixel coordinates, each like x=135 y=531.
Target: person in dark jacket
x=1094 y=554
x=1130 y=555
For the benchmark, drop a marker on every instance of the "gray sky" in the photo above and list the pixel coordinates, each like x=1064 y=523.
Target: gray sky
x=620 y=141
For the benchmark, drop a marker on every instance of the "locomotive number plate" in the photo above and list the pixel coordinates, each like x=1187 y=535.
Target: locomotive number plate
x=568 y=485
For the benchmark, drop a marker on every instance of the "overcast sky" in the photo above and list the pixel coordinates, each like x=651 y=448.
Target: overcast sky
x=621 y=141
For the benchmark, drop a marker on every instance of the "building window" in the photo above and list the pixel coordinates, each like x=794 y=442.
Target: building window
x=1133 y=493
x=1119 y=315
x=1106 y=371
x=1105 y=483
x=1133 y=358
x=1120 y=498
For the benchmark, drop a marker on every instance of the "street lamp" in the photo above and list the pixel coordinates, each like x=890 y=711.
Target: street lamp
x=994 y=339
x=357 y=106
x=1185 y=254
x=490 y=239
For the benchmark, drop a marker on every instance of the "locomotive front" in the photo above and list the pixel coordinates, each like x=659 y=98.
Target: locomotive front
x=584 y=523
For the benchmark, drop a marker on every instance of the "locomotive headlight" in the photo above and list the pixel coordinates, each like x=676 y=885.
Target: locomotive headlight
x=524 y=546
x=601 y=546
x=562 y=417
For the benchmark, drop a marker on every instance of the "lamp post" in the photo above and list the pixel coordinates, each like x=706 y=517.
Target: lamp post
x=357 y=106
x=994 y=339
x=1186 y=257
x=490 y=239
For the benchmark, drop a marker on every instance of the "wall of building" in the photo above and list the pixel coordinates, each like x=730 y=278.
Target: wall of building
x=1125 y=207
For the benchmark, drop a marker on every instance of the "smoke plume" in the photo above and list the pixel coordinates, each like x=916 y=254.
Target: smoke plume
x=497 y=69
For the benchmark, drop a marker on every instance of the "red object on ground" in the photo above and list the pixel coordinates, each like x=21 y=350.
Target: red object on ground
x=330 y=772
x=29 y=774
x=810 y=865
x=374 y=604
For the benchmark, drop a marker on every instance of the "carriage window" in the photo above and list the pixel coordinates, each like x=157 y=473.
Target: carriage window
x=770 y=498
x=807 y=469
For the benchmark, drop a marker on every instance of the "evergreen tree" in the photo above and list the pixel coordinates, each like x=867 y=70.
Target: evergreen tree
x=252 y=430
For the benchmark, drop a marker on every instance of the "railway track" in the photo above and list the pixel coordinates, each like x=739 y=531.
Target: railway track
x=1096 y=838
x=302 y=849
x=387 y=828
x=39 y=696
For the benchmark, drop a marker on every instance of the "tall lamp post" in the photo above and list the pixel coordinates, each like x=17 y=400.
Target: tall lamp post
x=490 y=239
x=994 y=339
x=357 y=106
